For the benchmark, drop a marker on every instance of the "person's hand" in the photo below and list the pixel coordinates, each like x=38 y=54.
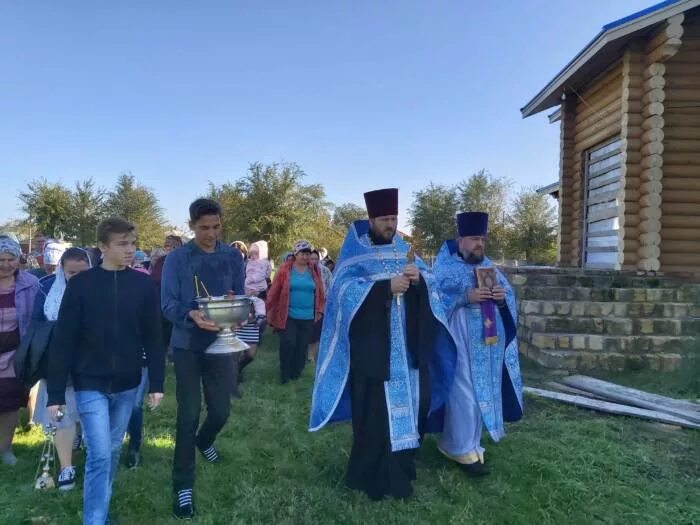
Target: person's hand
x=154 y=399
x=478 y=295
x=202 y=322
x=54 y=411
x=411 y=271
x=400 y=284
x=230 y=294
x=499 y=294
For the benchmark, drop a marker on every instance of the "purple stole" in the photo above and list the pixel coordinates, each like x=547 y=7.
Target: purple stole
x=488 y=315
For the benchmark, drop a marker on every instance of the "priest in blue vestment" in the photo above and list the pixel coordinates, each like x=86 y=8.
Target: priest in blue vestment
x=377 y=337
x=475 y=372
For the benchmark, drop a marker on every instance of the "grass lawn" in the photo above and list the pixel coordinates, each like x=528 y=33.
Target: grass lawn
x=558 y=465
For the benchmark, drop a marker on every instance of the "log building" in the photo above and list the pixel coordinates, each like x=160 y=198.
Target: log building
x=629 y=114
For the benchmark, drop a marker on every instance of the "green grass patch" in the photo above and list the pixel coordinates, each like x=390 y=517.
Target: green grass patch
x=558 y=465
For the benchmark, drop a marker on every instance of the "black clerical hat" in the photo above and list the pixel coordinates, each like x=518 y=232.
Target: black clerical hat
x=381 y=203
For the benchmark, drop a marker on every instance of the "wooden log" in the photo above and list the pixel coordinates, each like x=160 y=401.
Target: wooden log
x=680 y=81
x=656 y=82
x=608 y=115
x=666 y=33
x=673 y=220
x=652 y=161
x=654 y=108
x=634 y=397
x=631 y=144
x=654 y=121
x=664 y=51
x=631 y=169
x=633 y=92
x=652 y=148
x=681 y=146
x=570 y=390
x=678 y=68
x=611 y=408
x=633 y=158
x=650 y=226
x=654 y=70
x=672 y=269
x=649 y=252
x=630 y=245
x=655 y=95
x=653 y=135
x=588 y=141
x=685 y=120
x=631 y=208
x=684 y=159
x=681 y=95
x=612 y=105
x=650 y=212
x=675 y=246
x=677 y=208
x=681 y=133
x=649 y=265
x=599 y=87
x=680 y=171
x=651 y=174
x=649 y=201
x=678 y=234
x=629 y=131
x=685 y=196
x=651 y=187
x=632 y=194
x=632 y=221
x=671 y=183
x=650 y=239
x=680 y=259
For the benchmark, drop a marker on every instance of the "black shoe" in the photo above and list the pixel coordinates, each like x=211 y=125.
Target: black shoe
x=133 y=459
x=475 y=470
x=211 y=454
x=183 y=505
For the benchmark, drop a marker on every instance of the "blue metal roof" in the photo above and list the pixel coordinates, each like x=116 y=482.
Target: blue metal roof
x=638 y=14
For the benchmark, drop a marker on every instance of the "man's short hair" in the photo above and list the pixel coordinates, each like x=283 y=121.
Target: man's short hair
x=113 y=226
x=202 y=207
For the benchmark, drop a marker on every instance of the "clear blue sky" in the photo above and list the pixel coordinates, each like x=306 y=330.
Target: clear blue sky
x=361 y=94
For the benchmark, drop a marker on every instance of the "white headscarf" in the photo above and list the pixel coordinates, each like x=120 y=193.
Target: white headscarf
x=53 y=299
x=53 y=251
x=262 y=249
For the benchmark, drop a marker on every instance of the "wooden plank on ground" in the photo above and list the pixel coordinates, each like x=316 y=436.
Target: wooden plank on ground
x=571 y=390
x=632 y=396
x=612 y=408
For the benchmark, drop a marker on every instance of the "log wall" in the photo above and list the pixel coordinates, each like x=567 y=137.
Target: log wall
x=680 y=219
x=597 y=114
x=566 y=165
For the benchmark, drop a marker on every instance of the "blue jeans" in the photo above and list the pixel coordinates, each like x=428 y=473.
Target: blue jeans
x=135 y=428
x=104 y=418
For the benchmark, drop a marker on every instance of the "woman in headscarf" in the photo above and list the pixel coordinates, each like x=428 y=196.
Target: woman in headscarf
x=294 y=302
x=46 y=306
x=17 y=292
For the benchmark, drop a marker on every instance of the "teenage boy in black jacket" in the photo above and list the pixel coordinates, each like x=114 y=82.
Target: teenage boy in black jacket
x=109 y=316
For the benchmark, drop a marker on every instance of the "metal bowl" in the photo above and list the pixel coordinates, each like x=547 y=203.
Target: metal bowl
x=225 y=311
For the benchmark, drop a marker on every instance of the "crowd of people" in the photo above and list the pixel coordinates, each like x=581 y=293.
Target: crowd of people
x=401 y=349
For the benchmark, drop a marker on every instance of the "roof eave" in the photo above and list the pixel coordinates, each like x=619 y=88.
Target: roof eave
x=556 y=85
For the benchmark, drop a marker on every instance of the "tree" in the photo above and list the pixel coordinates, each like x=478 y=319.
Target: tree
x=138 y=205
x=432 y=216
x=534 y=225
x=484 y=192
x=48 y=206
x=345 y=214
x=272 y=204
x=87 y=210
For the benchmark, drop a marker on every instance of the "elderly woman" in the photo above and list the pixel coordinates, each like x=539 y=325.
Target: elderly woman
x=46 y=306
x=17 y=292
x=294 y=302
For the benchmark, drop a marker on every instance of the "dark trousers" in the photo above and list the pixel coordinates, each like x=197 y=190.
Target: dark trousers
x=217 y=376
x=294 y=343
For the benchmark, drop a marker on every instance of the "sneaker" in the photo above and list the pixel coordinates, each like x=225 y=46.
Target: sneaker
x=211 y=454
x=66 y=479
x=183 y=506
x=133 y=459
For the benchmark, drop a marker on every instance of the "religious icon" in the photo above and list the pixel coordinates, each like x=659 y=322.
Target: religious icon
x=486 y=278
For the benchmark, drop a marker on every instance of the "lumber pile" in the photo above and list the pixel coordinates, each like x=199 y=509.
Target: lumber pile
x=603 y=396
